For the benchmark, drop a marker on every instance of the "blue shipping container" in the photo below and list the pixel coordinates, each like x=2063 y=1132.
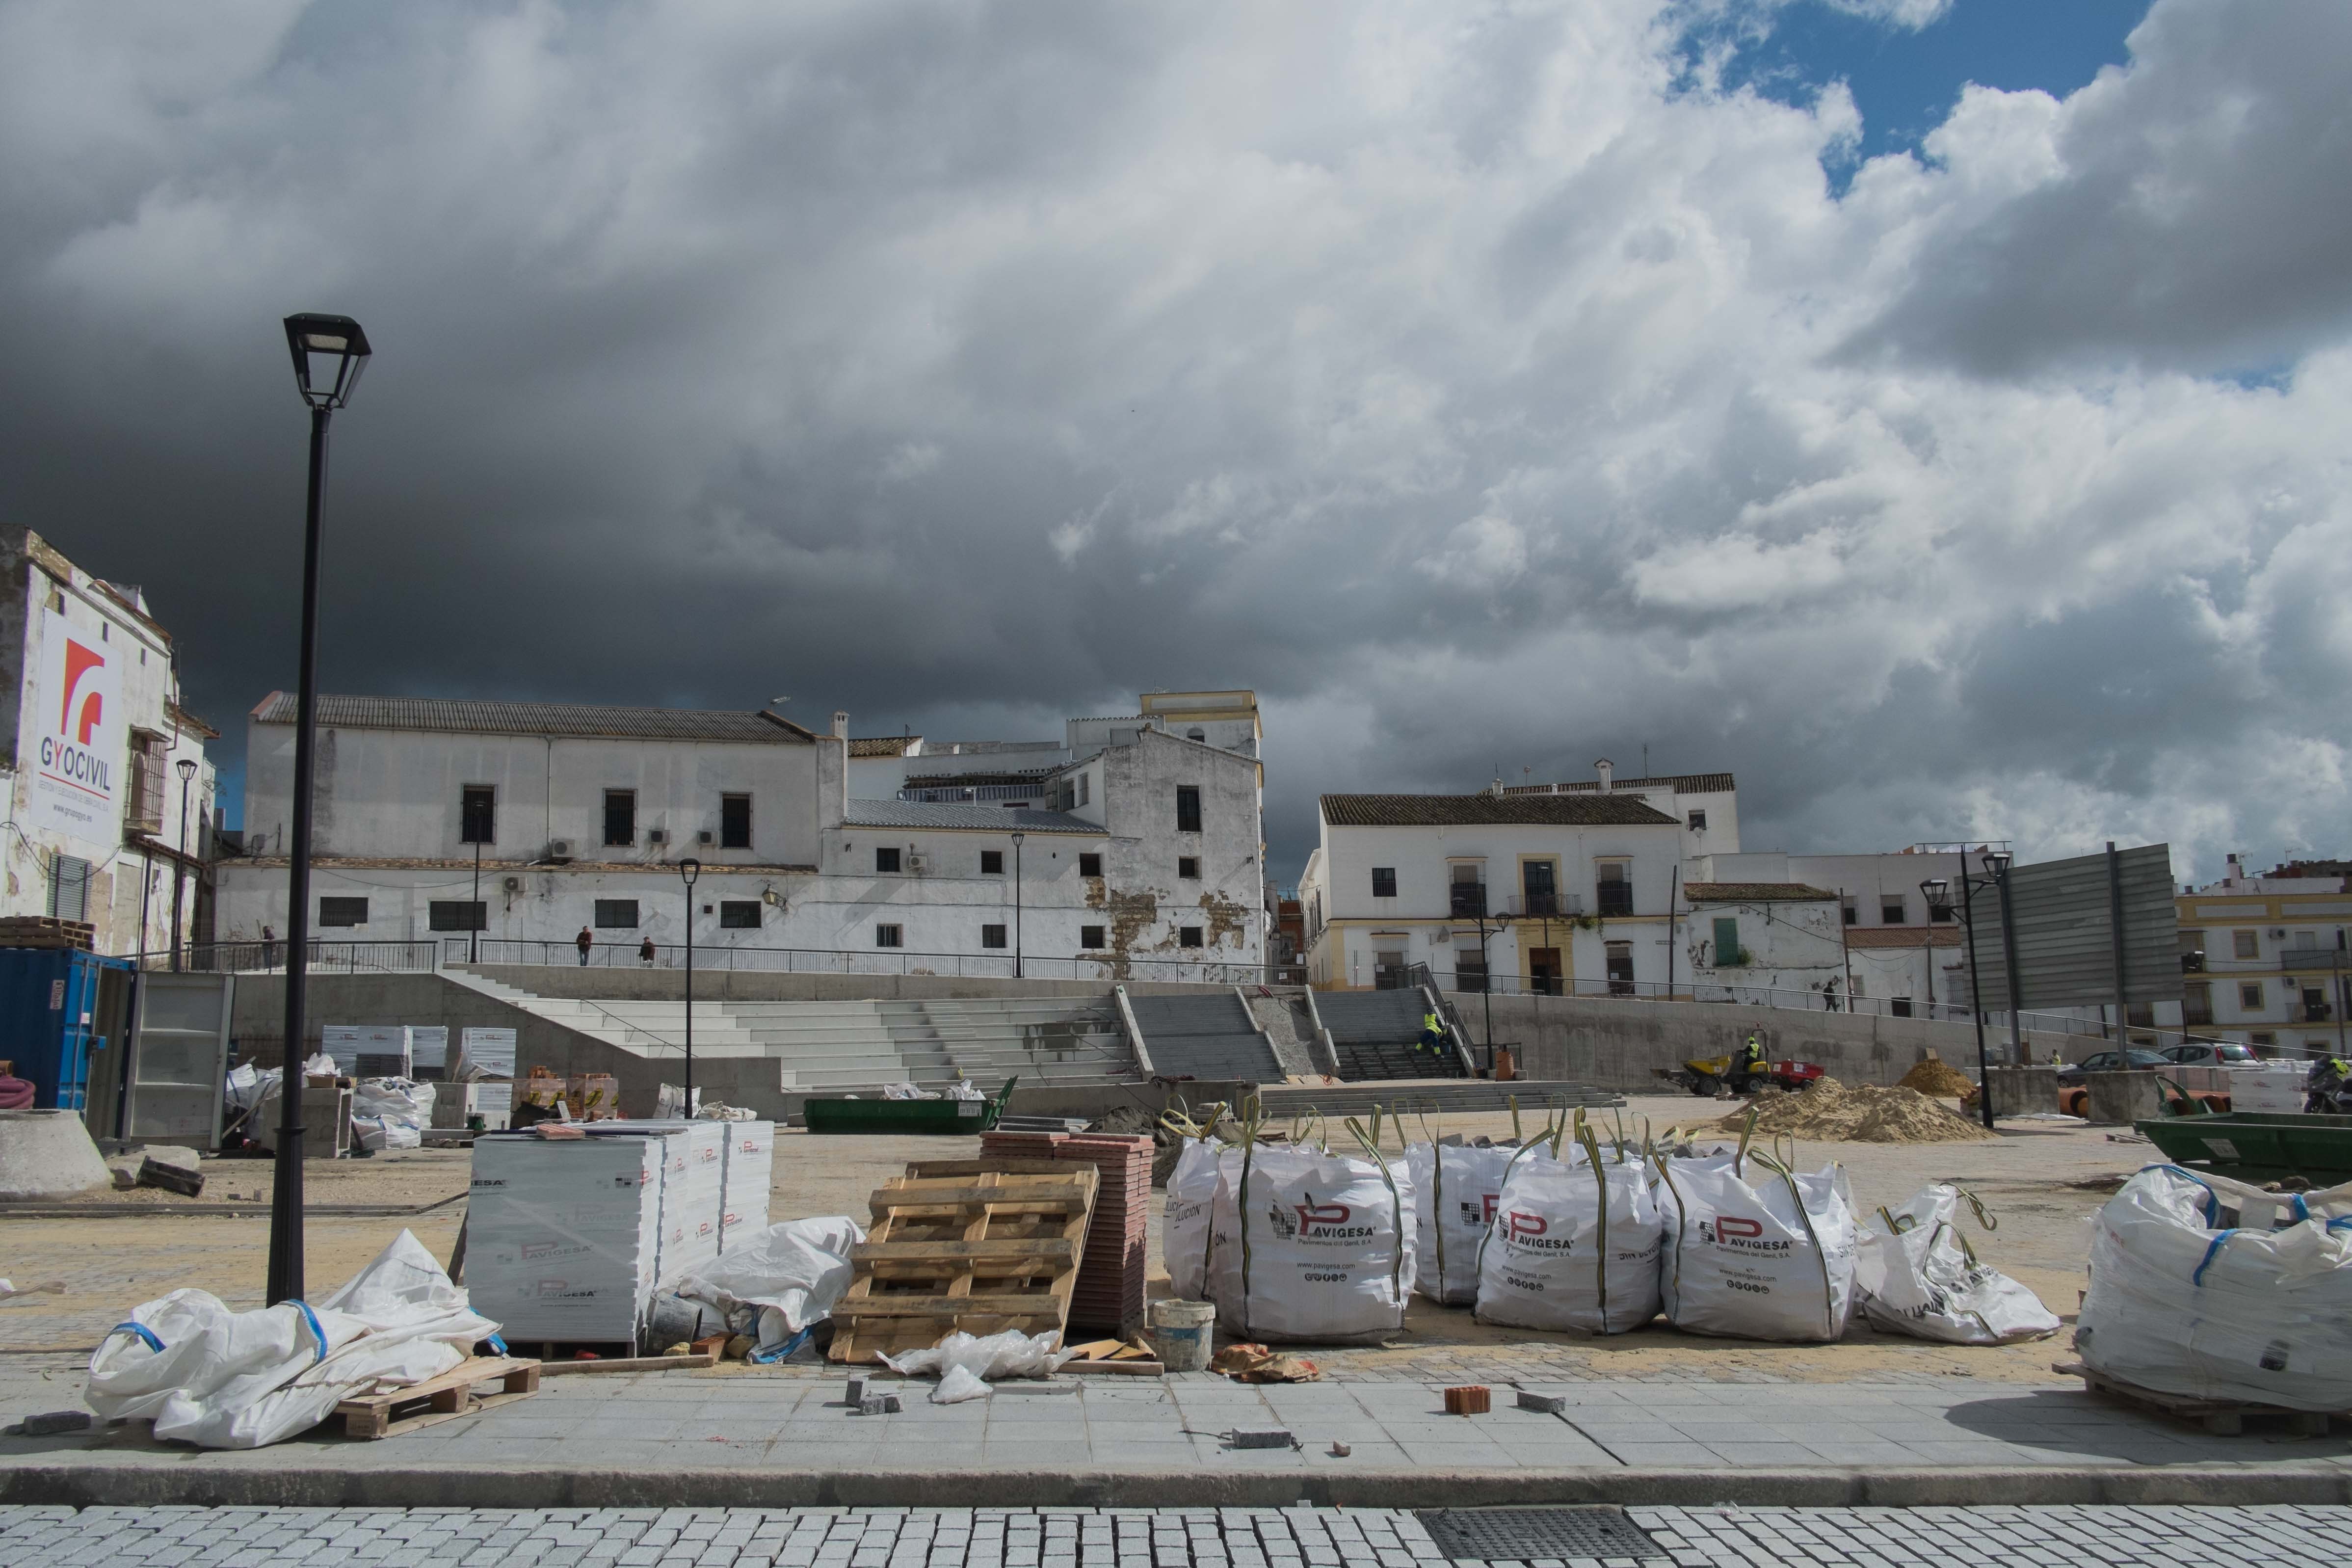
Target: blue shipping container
x=50 y=1019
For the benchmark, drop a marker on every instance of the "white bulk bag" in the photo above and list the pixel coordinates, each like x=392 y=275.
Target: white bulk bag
x=396 y=1110
x=1454 y=1191
x=223 y=1379
x=1184 y=1222
x=1754 y=1250
x=2207 y=1287
x=792 y=1275
x=1574 y=1245
x=1307 y=1244
x=1917 y=1276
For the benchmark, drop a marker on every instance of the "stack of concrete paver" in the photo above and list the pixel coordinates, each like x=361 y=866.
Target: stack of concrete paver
x=1108 y=1297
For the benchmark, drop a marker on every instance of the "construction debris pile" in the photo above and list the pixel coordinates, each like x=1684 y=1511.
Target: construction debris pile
x=1938 y=1078
x=1829 y=1113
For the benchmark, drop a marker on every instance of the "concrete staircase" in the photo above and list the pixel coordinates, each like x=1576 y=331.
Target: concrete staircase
x=1373 y=1035
x=856 y=1047
x=1208 y=1037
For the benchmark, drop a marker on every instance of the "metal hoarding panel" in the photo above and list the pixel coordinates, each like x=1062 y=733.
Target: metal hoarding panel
x=2064 y=938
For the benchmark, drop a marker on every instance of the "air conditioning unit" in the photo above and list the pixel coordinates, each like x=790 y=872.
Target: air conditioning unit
x=2277 y=935
x=559 y=850
x=917 y=864
x=703 y=837
x=657 y=835
x=513 y=884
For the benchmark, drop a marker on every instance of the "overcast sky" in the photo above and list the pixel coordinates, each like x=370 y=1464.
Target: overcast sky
x=1491 y=387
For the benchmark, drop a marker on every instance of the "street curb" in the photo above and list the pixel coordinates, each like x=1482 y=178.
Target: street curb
x=120 y=1483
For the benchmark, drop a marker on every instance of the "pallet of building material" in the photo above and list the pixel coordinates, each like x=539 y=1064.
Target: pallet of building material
x=438 y=1399
x=983 y=1247
x=46 y=931
x=2221 y=1417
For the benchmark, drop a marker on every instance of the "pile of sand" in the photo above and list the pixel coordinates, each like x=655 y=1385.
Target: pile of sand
x=1829 y=1112
x=1936 y=1077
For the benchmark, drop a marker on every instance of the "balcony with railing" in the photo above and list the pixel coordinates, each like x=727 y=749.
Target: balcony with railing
x=1546 y=905
x=2294 y=958
x=1467 y=899
x=1616 y=900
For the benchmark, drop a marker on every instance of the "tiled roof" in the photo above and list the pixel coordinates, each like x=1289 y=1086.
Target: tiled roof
x=1682 y=784
x=1467 y=810
x=1904 y=936
x=450 y=715
x=1755 y=893
x=975 y=819
x=1033 y=777
x=881 y=746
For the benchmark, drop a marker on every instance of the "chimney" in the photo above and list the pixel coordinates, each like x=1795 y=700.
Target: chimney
x=1605 y=767
x=1495 y=789
x=840 y=725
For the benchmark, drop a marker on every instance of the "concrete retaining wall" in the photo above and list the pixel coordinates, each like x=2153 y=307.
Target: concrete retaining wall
x=1615 y=1044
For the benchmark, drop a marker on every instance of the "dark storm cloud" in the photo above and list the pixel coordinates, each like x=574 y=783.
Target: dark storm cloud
x=1448 y=377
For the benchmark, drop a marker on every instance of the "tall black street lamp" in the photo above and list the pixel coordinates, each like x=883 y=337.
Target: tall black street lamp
x=187 y=768
x=1938 y=888
x=1938 y=892
x=687 y=870
x=1016 y=904
x=328 y=352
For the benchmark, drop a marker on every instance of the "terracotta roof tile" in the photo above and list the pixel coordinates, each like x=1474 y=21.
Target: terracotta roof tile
x=1466 y=810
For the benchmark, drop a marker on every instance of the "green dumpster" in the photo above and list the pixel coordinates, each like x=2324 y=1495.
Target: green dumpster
x=944 y=1117
x=2255 y=1145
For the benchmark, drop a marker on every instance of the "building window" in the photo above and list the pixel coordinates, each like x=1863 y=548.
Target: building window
x=1467 y=889
x=1698 y=822
x=1089 y=864
x=2249 y=996
x=1469 y=970
x=343 y=912
x=885 y=862
x=1613 y=880
x=1188 y=808
x=477 y=815
x=1086 y=793
x=1090 y=936
x=890 y=936
x=620 y=816
x=1892 y=909
x=2262 y=1039
x=143 y=812
x=992 y=862
x=68 y=887
x=1727 y=943
x=1939 y=912
x=734 y=822
x=1187 y=936
x=1188 y=867
x=457 y=914
x=2246 y=943
x=2196 y=1001
x=1385 y=882
x=617 y=914
x=739 y=914
x=1846 y=907
x=992 y=936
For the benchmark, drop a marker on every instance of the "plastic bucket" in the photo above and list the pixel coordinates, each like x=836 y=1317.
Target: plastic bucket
x=1181 y=1331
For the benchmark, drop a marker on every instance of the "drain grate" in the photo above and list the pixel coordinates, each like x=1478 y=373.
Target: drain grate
x=1522 y=1534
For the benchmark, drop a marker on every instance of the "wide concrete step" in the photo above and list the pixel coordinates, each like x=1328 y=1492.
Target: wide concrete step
x=1435 y=1095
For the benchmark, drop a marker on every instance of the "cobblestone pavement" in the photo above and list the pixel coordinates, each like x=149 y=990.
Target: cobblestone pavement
x=2089 y=1537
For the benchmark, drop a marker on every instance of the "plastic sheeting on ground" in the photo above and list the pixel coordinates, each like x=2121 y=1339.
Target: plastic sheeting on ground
x=1756 y=1251
x=2212 y=1289
x=790 y=1275
x=1309 y=1244
x=1574 y=1245
x=990 y=1358
x=1915 y=1274
x=223 y=1379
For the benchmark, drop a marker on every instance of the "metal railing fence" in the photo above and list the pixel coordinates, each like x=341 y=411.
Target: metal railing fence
x=1108 y=969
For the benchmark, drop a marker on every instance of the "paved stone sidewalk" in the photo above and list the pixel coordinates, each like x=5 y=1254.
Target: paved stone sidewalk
x=2150 y=1537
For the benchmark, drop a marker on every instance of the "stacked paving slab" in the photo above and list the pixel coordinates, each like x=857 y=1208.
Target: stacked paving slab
x=1108 y=1296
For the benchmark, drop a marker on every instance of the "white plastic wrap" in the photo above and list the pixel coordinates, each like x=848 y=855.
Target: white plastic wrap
x=1310 y=1245
x=792 y=1274
x=1914 y=1275
x=989 y=1358
x=1754 y=1251
x=1573 y=1245
x=1454 y=1191
x=1184 y=1232
x=2212 y=1289
x=391 y=1112
x=563 y=1236
x=222 y=1379
x=745 y=1179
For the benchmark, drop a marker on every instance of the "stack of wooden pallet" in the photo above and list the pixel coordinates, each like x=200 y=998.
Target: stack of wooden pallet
x=1109 y=1294
x=46 y=930
x=982 y=1245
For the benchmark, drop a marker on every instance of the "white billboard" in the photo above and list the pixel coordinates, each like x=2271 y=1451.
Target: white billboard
x=78 y=755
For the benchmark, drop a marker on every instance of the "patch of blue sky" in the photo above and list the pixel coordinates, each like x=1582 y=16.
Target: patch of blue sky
x=1905 y=80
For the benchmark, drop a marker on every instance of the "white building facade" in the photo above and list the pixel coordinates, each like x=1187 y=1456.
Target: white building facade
x=110 y=795
x=504 y=830
x=1895 y=947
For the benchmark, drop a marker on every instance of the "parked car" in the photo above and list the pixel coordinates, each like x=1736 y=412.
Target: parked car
x=2211 y=1054
x=2133 y=1061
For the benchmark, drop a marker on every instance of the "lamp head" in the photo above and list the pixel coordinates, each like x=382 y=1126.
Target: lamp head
x=1935 y=888
x=689 y=870
x=187 y=766
x=1996 y=861
x=1017 y=837
x=328 y=352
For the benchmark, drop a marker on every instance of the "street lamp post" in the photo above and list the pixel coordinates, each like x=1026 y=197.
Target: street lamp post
x=1996 y=863
x=687 y=870
x=188 y=769
x=1935 y=891
x=1016 y=904
x=328 y=352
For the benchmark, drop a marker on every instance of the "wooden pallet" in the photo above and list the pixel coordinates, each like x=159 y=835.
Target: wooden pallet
x=46 y=931
x=2222 y=1417
x=443 y=1398
x=980 y=1246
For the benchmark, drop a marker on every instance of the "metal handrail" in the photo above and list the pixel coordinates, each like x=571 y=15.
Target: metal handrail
x=265 y=957
x=556 y=953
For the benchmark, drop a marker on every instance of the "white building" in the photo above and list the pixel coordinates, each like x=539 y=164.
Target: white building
x=1706 y=804
x=1893 y=947
x=100 y=813
x=1138 y=856
x=2266 y=961
x=1585 y=878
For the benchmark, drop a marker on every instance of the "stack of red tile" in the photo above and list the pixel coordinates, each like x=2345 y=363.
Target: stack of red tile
x=1108 y=1297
